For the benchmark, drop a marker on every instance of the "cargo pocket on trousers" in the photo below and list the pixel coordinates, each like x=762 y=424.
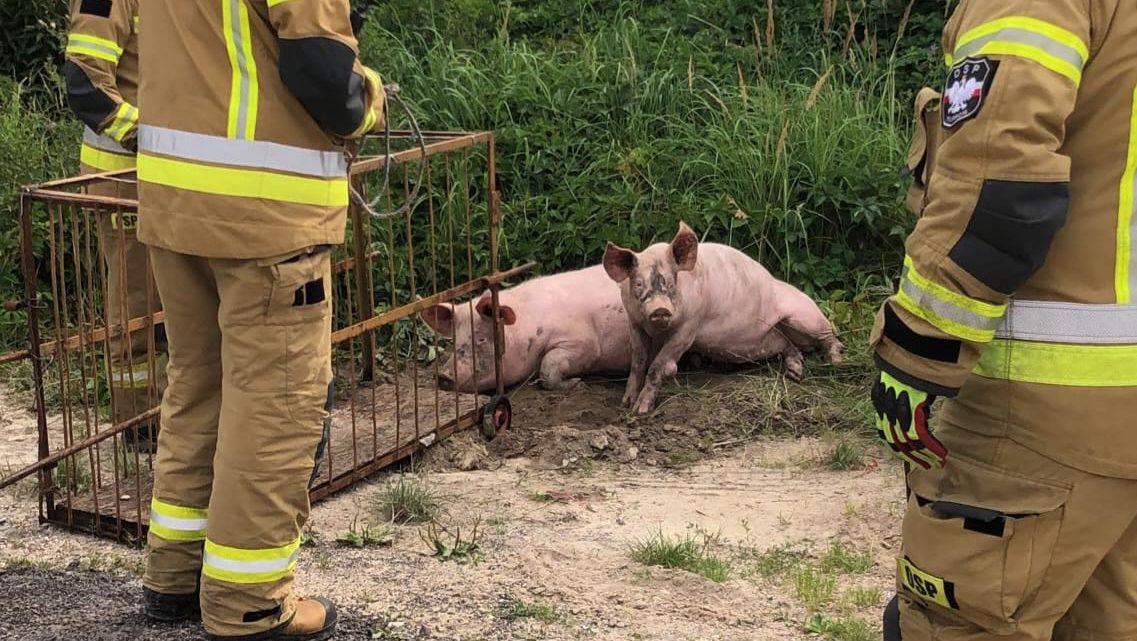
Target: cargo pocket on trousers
x=299 y=303
x=981 y=561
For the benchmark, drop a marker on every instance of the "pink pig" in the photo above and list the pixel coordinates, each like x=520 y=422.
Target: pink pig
x=715 y=301
x=561 y=326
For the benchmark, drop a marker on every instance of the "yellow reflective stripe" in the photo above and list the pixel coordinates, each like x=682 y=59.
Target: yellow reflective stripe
x=949 y=311
x=237 y=565
x=273 y=3
x=104 y=160
x=177 y=523
x=1041 y=27
x=244 y=88
x=125 y=118
x=1057 y=364
x=1125 y=272
x=978 y=307
x=1047 y=44
x=245 y=183
x=85 y=45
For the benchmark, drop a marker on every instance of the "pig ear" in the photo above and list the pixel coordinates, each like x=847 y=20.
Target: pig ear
x=485 y=308
x=619 y=262
x=440 y=318
x=685 y=248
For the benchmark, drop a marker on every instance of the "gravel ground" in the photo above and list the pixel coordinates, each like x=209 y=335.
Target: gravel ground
x=51 y=605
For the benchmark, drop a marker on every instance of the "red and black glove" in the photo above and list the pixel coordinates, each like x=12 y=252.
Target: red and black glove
x=902 y=414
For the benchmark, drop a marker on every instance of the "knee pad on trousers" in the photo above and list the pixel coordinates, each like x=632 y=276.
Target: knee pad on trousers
x=323 y=444
x=892 y=620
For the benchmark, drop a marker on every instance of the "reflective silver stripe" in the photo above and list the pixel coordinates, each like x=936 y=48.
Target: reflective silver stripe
x=175 y=523
x=1056 y=322
x=255 y=154
x=103 y=143
x=79 y=42
x=249 y=567
x=943 y=308
x=243 y=67
x=1025 y=37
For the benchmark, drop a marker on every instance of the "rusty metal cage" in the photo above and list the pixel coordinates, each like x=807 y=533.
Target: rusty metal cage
x=387 y=405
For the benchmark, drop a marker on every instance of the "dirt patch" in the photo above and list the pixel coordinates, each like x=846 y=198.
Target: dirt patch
x=50 y=605
x=700 y=414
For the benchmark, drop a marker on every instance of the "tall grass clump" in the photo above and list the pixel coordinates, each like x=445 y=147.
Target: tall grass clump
x=623 y=132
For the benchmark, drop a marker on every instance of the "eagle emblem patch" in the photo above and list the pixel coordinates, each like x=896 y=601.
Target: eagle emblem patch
x=968 y=83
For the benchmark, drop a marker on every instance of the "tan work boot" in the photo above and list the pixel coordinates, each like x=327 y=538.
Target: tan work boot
x=314 y=620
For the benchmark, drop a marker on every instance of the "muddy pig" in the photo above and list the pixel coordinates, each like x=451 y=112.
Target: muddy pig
x=714 y=300
x=560 y=326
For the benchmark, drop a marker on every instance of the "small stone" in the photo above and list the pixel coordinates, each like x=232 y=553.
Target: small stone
x=599 y=442
x=124 y=497
x=672 y=428
x=630 y=454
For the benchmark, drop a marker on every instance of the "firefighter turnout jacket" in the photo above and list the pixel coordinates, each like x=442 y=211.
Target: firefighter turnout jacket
x=1017 y=295
x=244 y=157
x=101 y=72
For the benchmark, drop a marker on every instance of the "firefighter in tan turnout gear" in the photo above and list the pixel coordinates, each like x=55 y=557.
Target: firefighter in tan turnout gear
x=101 y=72
x=1017 y=304
x=243 y=187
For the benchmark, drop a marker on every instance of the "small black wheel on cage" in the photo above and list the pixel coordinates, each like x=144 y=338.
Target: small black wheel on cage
x=497 y=416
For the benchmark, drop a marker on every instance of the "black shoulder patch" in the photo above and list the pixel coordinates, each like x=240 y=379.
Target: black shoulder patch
x=87 y=101
x=319 y=72
x=100 y=8
x=965 y=91
x=936 y=349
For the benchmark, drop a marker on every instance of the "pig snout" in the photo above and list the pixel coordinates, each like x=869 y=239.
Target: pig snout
x=660 y=313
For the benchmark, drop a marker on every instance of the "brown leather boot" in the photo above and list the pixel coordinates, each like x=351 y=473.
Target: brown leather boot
x=314 y=620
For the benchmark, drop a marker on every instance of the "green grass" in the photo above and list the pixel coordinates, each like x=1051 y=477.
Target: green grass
x=812 y=587
x=847 y=454
x=778 y=560
x=846 y=628
x=683 y=553
x=839 y=558
x=862 y=597
x=408 y=500
x=365 y=534
x=514 y=609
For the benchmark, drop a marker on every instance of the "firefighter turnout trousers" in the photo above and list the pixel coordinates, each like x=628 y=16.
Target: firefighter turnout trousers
x=242 y=419
x=1051 y=554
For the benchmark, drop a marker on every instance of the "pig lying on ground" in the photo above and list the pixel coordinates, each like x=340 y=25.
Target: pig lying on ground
x=560 y=326
x=714 y=300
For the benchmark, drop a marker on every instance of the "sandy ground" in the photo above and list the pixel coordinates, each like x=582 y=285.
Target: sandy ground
x=557 y=509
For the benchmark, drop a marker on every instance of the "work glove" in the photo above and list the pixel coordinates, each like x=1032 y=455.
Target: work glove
x=902 y=414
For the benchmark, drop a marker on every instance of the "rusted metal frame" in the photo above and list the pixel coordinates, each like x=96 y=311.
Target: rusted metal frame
x=387 y=318
x=116 y=528
x=100 y=333
x=49 y=460
x=31 y=304
x=54 y=256
x=91 y=283
x=351 y=477
x=108 y=203
x=433 y=287
x=394 y=342
x=368 y=164
x=77 y=264
x=17 y=355
x=363 y=283
x=492 y=214
x=469 y=261
x=414 y=290
x=84 y=180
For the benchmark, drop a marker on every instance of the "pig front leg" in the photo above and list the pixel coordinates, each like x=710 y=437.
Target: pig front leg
x=553 y=368
x=663 y=366
x=642 y=353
